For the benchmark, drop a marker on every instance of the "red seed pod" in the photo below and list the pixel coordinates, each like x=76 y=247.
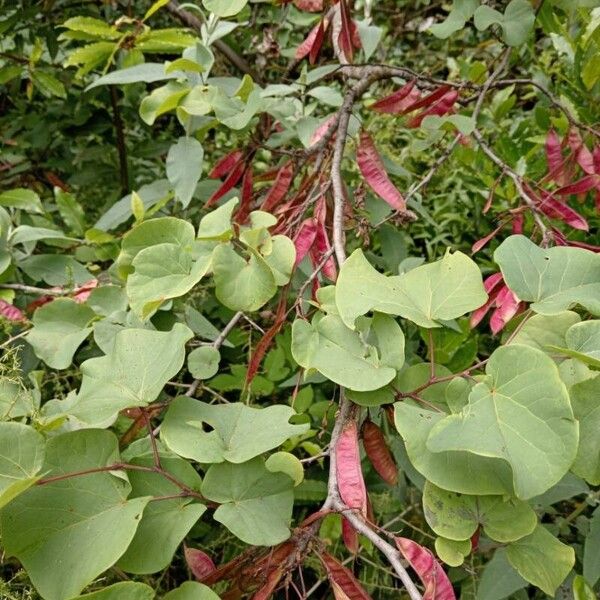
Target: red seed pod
x=430 y=572
x=378 y=453
x=351 y=484
x=343 y=583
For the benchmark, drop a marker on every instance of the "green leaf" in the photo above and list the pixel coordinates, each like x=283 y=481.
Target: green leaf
x=461 y=12
x=281 y=259
x=461 y=472
x=164 y=523
x=124 y=590
x=541 y=559
x=15 y=401
x=90 y=56
x=184 y=167
x=216 y=225
x=452 y=552
x=591 y=550
x=133 y=374
x=224 y=8
x=583 y=343
x=284 y=462
x=516 y=23
x=55 y=269
x=94 y=28
x=48 y=84
x=581 y=590
x=49 y=527
x=71 y=211
x=458 y=516
x=524 y=409
x=584 y=397
x=256 y=505
x=137 y=207
x=544 y=331
x=339 y=353
x=27 y=233
x=21 y=458
x=23 y=199
x=242 y=284
x=554 y=279
x=442 y=290
x=145 y=72
x=499 y=579
x=162 y=100
x=59 y=328
x=203 y=362
x=165 y=271
x=238 y=432
x=164 y=230
x=155 y=6
x=191 y=590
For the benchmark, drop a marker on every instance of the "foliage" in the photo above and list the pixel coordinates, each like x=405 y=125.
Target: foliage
x=202 y=396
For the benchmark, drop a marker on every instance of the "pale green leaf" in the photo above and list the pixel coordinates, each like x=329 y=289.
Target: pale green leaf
x=224 y=8
x=216 y=225
x=256 y=505
x=191 y=590
x=55 y=269
x=59 y=328
x=162 y=100
x=21 y=458
x=145 y=72
x=499 y=579
x=124 y=590
x=242 y=284
x=442 y=290
x=541 y=559
x=23 y=199
x=285 y=462
x=544 y=331
x=49 y=527
x=203 y=362
x=133 y=374
x=238 y=433
x=553 y=279
x=184 y=167
x=452 y=552
x=339 y=353
x=591 y=550
x=164 y=523
x=586 y=407
x=165 y=271
x=459 y=516
x=461 y=12
x=583 y=343
x=524 y=408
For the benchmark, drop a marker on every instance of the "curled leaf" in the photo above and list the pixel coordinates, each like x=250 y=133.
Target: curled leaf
x=378 y=453
x=373 y=171
x=305 y=238
x=345 y=586
x=200 y=564
x=224 y=165
x=427 y=100
x=10 y=312
x=349 y=536
x=231 y=180
x=312 y=44
x=430 y=572
x=280 y=187
x=442 y=107
x=397 y=102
